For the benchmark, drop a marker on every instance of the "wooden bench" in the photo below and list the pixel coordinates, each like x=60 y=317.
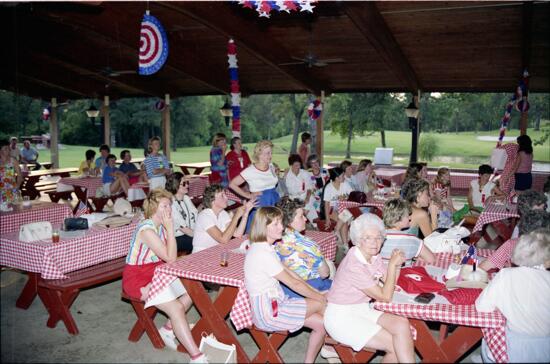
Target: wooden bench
x=348 y=355
x=55 y=196
x=59 y=294
x=145 y=322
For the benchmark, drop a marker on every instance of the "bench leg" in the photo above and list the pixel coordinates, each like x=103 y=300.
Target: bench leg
x=58 y=305
x=29 y=291
x=268 y=346
x=347 y=355
x=146 y=324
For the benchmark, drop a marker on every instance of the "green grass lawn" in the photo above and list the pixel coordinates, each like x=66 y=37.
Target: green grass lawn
x=460 y=150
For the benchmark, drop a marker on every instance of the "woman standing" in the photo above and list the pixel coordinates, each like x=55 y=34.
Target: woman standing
x=156 y=165
x=10 y=174
x=237 y=158
x=261 y=178
x=523 y=164
x=218 y=163
x=298 y=182
x=184 y=211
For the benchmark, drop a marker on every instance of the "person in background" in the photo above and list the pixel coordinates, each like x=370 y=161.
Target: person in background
x=184 y=211
x=546 y=190
x=480 y=191
x=237 y=158
x=298 y=182
x=113 y=179
x=440 y=190
x=527 y=201
x=423 y=222
x=364 y=179
x=157 y=165
x=129 y=169
x=87 y=166
x=215 y=225
x=281 y=185
x=10 y=174
x=361 y=277
x=14 y=149
x=522 y=294
x=303 y=149
x=272 y=310
x=218 y=162
x=347 y=167
x=153 y=244
x=333 y=192
x=523 y=164
x=261 y=177
x=396 y=220
x=101 y=161
x=319 y=178
x=29 y=155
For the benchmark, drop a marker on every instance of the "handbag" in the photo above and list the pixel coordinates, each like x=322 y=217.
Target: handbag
x=417 y=280
x=358 y=196
x=217 y=352
x=41 y=230
x=75 y=223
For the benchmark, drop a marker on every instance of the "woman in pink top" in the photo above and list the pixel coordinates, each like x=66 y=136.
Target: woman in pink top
x=349 y=319
x=523 y=164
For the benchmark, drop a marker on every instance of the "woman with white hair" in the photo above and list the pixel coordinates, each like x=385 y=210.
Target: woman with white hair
x=522 y=295
x=362 y=276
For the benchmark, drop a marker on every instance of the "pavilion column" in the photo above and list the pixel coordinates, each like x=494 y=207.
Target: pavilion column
x=523 y=121
x=54 y=136
x=166 y=127
x=414 y=125
x=106 y=121
x=319 y=132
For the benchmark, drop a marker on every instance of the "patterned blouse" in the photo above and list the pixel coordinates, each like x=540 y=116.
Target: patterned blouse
x=300 y=254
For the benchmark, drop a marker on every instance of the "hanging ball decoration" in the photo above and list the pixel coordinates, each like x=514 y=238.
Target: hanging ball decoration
x=160 y=105
x=522 y=106
x=314 y=109
x=46 y=113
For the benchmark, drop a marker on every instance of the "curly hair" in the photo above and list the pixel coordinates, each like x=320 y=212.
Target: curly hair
x=173 y=182
x=289 y=206
x=262 y=144
x=293 y=158
x=362 y=223
x=415 y=188
x=532 y=249
x=210 y=194
x=151 y=203
x=528 y=199
x=533 y=219
x=394 y=210
x=311 y=158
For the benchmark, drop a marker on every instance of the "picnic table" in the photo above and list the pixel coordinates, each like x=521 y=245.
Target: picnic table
x=390 y=174
x=85 y=186
x=46 y=165
x=501 y=216
x=205 y=266
x=38 y=211
x=30 y=179
x=197 y=167
x=471 y=324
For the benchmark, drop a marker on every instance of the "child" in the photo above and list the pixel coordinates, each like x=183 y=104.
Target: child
x=396 y=219
x=440 y=190
x=87 y=166
x=303 y=150
x=101 y=161
x=113 y=179
x=272 y=310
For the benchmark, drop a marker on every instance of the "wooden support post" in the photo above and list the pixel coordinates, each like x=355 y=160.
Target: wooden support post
x=166 y=127
x=106 y=121
x=319 y=132
x=54 y=136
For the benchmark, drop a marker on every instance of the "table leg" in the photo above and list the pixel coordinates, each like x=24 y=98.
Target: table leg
x=213 y=314
x=268 y=345
x=460 y=341
x=58 y=305
x=184 y=170
x=426 y=345
x=29 y=291
x=30 y=189
x=198 y=170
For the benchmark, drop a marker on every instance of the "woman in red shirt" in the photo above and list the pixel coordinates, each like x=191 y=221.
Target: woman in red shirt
x=237 y=159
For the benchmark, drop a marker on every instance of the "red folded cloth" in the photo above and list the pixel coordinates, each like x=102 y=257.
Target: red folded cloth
x=461 y=296
x=417 y=280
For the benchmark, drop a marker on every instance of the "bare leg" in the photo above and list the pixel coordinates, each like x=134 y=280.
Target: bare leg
x=314 y=320
x=383 y=341
x=186 y=302
x=400 y=331
x=176 y=313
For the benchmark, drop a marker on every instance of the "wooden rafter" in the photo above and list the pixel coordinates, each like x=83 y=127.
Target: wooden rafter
x=369 y=21
x=66 y=91
x=527 y=21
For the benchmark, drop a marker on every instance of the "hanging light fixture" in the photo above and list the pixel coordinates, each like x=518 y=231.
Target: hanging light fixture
x=412 y=110
x=92 y=113
x=226 y=111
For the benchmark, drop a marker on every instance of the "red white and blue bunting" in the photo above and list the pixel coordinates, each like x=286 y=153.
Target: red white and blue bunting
x=153 y=45
x=46 y=113
x=235 y=88
x=314 y=110
x=519 y=99
x=264 y=8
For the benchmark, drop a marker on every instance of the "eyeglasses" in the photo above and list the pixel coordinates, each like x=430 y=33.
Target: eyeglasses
x=373 y=238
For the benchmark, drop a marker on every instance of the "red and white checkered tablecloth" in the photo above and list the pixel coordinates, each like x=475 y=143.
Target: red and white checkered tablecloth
x=91 y=184
x=197 y=184
x=39 y=211
x=371 y=202
x=391 y=174
x=493 y=212
x=52 y=261
x=205 y=266
x=459 y=180
x=492 y=324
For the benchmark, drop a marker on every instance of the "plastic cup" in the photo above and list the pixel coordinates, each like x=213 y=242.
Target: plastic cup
x=223 y=259
x=55 y=236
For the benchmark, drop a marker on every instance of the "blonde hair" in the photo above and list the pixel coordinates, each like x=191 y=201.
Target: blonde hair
x=263 y=217
x=262 y=144
x=150 y=144
x=217 y=138
x=440 y=173
x=394 y=210
x=151 y=203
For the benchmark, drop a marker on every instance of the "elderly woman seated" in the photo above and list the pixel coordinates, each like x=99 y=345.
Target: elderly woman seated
x=362 y=276
x=214 y=224
x=299 y=253
x=522 y=294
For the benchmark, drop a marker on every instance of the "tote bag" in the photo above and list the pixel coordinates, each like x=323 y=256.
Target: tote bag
x=217 y=352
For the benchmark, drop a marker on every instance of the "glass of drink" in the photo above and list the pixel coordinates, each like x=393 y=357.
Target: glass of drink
x=223 y=259
x=55 y=236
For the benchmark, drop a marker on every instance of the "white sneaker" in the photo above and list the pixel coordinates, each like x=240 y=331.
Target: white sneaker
x=200 y=359
x=169 y=338
x=330 y=355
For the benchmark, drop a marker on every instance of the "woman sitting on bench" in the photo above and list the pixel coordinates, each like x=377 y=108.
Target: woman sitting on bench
x=152 y=244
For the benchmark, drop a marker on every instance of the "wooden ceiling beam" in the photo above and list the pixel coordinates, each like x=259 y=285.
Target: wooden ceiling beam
x=369 y=21
x=219 y=17
x=50 y=85
x=527 y=31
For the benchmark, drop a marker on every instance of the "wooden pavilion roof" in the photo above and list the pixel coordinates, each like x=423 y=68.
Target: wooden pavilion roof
x=74 y=50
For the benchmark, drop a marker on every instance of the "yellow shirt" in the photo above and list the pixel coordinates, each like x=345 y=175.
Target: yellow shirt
x=84 y=164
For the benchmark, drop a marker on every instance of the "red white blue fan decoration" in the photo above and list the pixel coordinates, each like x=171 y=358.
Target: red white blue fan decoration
x=264 y=8
x=153 y=45
x=235 y=87
x=519 y=99
x=314 y=109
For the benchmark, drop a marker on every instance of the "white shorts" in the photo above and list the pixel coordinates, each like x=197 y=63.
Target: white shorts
x=352 y=325
x=157 y=182
x=173 y=291
x=107 y=189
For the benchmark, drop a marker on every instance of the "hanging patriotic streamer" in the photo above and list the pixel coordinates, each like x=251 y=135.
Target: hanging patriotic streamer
x=314 y=109
x=46 y=113
x=235 y=88
x=160 y=105
x=264 y=8
x=519 y=99
x=153 y=45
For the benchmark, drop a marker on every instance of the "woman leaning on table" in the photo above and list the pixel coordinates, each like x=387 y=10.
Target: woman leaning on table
x=152 y=244
x=10 y=174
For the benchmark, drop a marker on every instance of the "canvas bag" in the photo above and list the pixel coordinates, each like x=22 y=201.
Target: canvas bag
x=113 y=221
x=498 y=158
x=41 y=230
x=217 y=352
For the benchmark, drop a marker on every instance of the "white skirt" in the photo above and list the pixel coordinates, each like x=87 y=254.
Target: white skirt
x=352 y=325
x=173 y=291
